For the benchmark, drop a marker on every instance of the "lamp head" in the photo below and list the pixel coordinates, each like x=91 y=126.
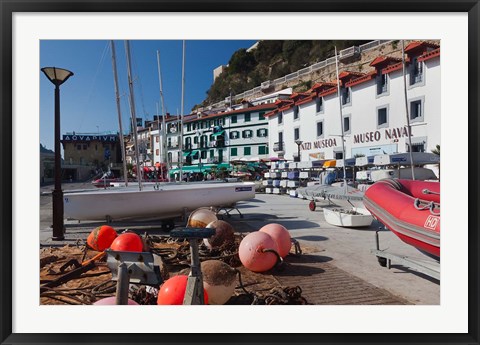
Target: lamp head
x=298 y=142
x=57 y=75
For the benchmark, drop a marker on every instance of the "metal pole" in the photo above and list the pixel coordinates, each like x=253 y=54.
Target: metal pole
x=194 y=291
x=58 y=227
x=119 y=112
x=341 y=119
x=180 y=158
x=163 y=137
x=134 y=118
x=406 y=111
x=123 y=284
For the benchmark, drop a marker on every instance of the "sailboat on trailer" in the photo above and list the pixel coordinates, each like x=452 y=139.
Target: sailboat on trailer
x=161 y=201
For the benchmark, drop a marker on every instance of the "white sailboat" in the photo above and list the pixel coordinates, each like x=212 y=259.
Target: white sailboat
x=161 y=201
x=168 y=200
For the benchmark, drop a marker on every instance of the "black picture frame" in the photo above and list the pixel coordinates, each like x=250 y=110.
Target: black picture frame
x=9 y=7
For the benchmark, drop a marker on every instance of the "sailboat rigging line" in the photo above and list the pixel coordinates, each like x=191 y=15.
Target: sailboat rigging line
x=137 y=77
x=180 y=158
x=406 y=111
x=341 y=119
x=163 y=146
x=133 y=116
x=94 y=81
x=119 y=112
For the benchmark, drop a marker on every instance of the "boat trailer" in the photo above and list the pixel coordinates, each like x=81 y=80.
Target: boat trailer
x=429 y=268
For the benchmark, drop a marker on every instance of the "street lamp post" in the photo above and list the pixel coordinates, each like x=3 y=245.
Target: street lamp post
x=57 y=76
x=298 y=142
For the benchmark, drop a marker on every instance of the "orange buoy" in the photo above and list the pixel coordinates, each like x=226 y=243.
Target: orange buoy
x=219 y=280
x=101 y=238
x=253 y=254
x=127 y=242
x=111 y=301
x=201 y=217
x=172 y=292
x=224 y=234
x=280 y=235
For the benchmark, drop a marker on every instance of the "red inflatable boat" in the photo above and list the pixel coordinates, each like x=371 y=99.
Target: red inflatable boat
x=410 y=209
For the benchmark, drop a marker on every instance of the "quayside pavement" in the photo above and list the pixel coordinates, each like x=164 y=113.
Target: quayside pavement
x=337 y=268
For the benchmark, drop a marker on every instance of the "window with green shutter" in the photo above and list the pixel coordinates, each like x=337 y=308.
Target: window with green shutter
x=261 y=115
x=262 y=150
x=247 y=151
x=234 y=135
x=247 y=117
x=234 y=118
x=233 y=151
x=248 y=133
x=262 y=132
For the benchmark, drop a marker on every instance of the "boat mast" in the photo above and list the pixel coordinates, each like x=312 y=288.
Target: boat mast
x=133 y=116
x=162 y=142
x=341 y=119
x=117 y=98
x=406 y=111
x=159 y=137
x=181 y=112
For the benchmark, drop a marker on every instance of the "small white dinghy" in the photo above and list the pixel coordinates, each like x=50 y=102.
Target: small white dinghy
x=348 y=218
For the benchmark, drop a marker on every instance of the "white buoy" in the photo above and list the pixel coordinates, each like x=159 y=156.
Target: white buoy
x=219 y=280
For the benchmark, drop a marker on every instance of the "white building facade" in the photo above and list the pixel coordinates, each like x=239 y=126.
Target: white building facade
x=373 y=111
x=223 y=137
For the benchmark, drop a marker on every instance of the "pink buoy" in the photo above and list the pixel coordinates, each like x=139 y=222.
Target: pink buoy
x=111 y=301
x=252 y=252
x=280 y=235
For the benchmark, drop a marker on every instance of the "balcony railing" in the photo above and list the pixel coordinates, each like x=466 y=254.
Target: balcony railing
x=278 y=146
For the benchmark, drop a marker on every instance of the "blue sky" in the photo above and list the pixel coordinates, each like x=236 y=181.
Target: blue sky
x=87 y=99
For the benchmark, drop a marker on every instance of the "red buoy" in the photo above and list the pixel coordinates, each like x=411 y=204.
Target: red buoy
x=128 y=242
x=281 y=236
x=255 y=251
x=172 y=292
x=101 y=238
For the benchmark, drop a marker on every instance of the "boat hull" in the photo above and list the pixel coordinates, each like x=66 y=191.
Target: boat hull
x=393 y=202
x=360 y=217
x=162 y=201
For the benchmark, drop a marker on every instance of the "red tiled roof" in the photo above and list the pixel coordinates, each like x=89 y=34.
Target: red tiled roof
x=308 y=99
x=299 y=95
x=271 y=113
x=380 y=60
x=361 y=79
x=430 y=55
x=392 y=68
x=322 y=86
x=417 y=45
x=327 y=92
x=237 y=111
x=349 y=75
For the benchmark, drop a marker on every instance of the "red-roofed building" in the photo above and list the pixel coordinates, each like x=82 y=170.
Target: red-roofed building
x=372 y=111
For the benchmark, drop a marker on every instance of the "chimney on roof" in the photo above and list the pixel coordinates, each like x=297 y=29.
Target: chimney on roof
x=246 y=104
